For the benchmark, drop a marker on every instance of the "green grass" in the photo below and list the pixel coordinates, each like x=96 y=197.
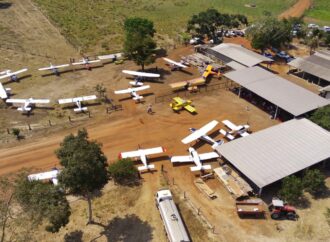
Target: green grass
x=320 y=12
x=91 y=24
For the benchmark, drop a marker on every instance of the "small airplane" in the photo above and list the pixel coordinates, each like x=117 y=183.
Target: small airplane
x=25 y=107
x=133 y=91
x=201 y=134
x=78 y=101
x=142 y=154
x=196 y=158
x=53 y=68
x=4 y=92
x=178 y=104
x=12 y=75
x=234 y=130
x=174 y=65
x=86 y=62
x=140 y=76
x=48 y=175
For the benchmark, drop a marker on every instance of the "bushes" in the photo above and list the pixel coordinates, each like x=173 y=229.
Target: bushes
x=123 y=171
x=293 y=187
x=322 y=117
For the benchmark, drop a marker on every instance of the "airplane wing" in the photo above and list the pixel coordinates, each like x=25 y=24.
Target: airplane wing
x=66 y=100
x=130 y=154
x=182 y=159
x=16 y=100
x=208 y=156
x=175 y=63
x=136 y=89
x=52 y=67
x=94 y=61
x=44 y=175
x=152 y=151
x=129 y=90
x=88 y=98
x=3 y=93
x=111 y=56
x=79 y=63
x=143 y=74
x=190 y=108
x=230 y=125
x=200 y=132
x=18 y=72
x=40 y=101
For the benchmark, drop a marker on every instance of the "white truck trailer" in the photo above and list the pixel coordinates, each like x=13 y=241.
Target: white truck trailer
x=175 y=229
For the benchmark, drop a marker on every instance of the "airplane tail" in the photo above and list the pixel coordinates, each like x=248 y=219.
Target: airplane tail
x=217 y=143
x=80 y=109
x=198 y=168
x=148 y=167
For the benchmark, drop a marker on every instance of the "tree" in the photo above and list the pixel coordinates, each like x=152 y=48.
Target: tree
x=100 y=89
x=327 y=215
x=314 y=181
x=16 y=132
x=211 y=21
x=43 y=200
x=185 y=37
x=84 y=167
x=292 y=189
x=123 y=171
x=139 y=44
x=322 y=117
x=270 y=32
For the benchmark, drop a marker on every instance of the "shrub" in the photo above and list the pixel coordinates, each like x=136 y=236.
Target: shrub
x=123 y=171
x=314 y=181
x=292 y=189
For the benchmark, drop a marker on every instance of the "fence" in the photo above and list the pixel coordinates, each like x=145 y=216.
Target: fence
x=223 y=84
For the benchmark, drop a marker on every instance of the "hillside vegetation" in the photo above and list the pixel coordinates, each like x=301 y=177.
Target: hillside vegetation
x=97 y=24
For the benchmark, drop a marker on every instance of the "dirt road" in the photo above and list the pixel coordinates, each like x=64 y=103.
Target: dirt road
x=297 y=10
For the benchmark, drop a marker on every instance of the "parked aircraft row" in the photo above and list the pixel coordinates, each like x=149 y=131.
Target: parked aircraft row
x=25 y=105
x=193 y=157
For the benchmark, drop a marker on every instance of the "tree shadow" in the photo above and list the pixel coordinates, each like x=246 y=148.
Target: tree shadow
x=303 y=203
x=128 y=229
x=74 y=236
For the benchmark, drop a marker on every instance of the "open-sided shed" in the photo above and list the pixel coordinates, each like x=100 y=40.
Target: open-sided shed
x=270 y=155
x=277 y=90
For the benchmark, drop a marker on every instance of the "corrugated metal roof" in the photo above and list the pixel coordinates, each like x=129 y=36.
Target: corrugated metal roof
x=235 y=65
x=240 y=54
x=317 y=65
x=283 y=93
x=279 y=151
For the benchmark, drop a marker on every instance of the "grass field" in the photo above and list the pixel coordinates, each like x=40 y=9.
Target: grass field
x=320 y=12
x=89 y=24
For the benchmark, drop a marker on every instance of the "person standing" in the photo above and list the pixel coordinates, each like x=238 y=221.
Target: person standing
x=149 y=109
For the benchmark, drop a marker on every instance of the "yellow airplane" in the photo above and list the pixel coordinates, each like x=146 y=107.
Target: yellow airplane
x=178 y=104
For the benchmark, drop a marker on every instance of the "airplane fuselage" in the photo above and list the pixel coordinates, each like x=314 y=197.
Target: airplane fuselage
x=195 y=157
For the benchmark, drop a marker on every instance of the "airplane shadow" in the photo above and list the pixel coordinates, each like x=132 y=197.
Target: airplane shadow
x=186 y=72
x=84 y=68
x=59 y=73
x=5 y=5
x=18 y=79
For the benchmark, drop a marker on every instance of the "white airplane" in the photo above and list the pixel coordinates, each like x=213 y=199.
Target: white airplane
x=133 y=91
x=174 y=65
x=86 y=62
x=4 y=92
x=234 y=130
x=140 y=76
x=48 y=175
x=12 y=75
x=53 y=68
x=142 y=154
x=196 y=158
x=78 y=101
x=25 y=103
x=201 y=134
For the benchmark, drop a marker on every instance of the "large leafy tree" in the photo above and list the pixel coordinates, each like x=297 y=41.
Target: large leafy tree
x=43 y=200
x=84 y=167
x=210 y=21
x=322 y=117
x=292 y=189
x=139 y=44
x=314 y=181
x=270 y=32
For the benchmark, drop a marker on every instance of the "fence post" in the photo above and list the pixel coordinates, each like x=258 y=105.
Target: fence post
x=89 y=114
x=173 y=181
x=70 y=119
x=198 y=211
x=29 y=127
x=8 y=132
x=184 y=195
x=50 y=122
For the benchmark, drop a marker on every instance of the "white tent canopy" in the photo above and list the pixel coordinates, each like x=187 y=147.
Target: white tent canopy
x=279 y=151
